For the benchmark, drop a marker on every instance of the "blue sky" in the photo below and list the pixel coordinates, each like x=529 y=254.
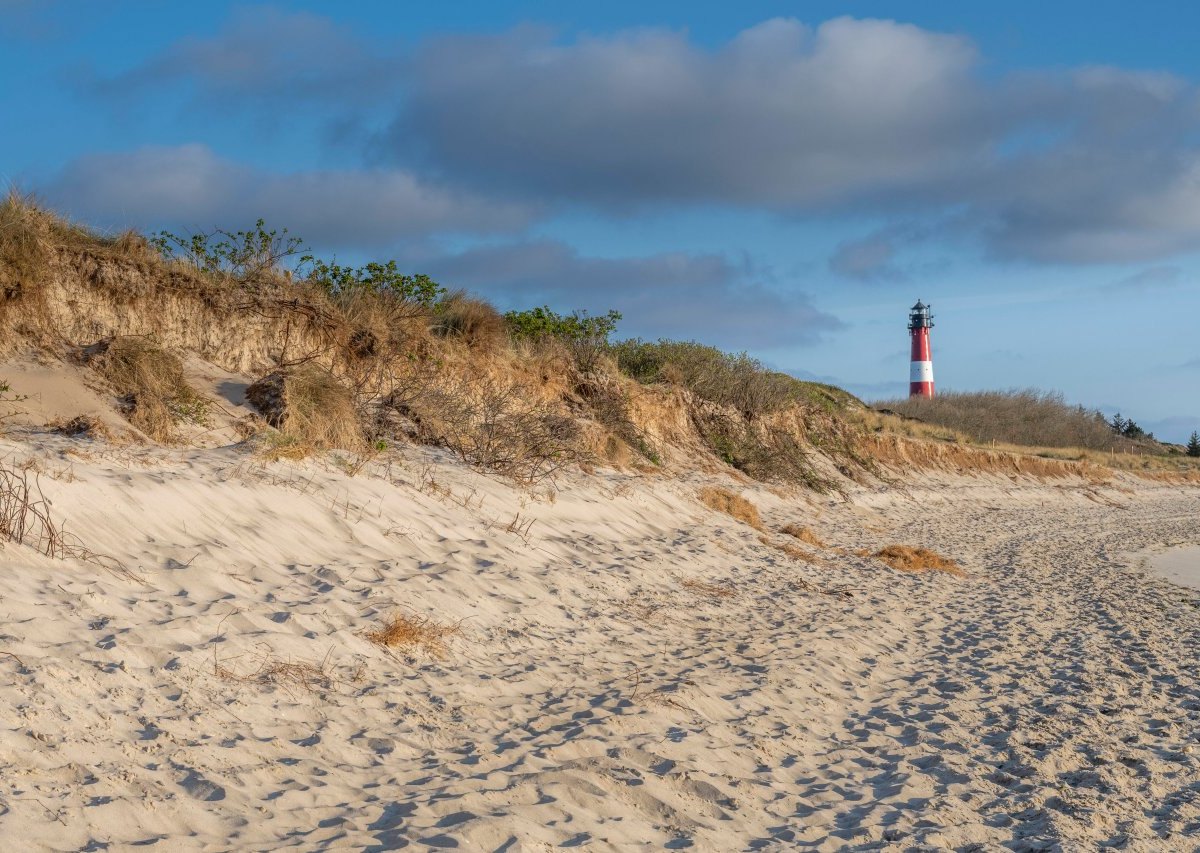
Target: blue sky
x=784 y=178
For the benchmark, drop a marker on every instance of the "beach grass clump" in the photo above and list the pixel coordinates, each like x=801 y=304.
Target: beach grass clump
x=905 y=558
x=156 y=395
x=310 y=408
x=473 y=321
x=409 y=631
x=727 y=379
x=82 y=426
x=804 y=534
x=736 y=506
x=30 y=234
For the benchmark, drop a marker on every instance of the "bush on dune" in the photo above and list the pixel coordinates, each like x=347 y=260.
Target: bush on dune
x=1026 y=417
x=728 y=379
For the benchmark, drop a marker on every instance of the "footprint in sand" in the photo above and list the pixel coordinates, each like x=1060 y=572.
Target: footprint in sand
x=200 y=788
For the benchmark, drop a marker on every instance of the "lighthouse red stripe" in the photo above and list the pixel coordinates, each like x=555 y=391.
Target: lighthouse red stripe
x=922 y=364
x=920 y=345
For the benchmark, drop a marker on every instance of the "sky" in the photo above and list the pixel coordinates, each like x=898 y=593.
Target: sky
x=785 y=179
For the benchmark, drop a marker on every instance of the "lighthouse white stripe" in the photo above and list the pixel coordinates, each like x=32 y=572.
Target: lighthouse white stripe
x=921 y=371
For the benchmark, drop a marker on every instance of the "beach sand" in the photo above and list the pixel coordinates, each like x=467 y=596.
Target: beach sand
x=631 y=669
x=1179 y=565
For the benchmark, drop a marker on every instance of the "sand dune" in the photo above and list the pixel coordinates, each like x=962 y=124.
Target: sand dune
x=632 y=668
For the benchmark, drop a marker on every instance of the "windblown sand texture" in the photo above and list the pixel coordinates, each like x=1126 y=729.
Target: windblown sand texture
x=629 y=667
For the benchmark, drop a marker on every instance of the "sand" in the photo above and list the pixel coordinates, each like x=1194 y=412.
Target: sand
x=633 y=668
x=1179 y=565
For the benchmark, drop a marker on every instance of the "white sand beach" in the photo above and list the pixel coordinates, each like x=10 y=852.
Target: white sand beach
x=633 y=670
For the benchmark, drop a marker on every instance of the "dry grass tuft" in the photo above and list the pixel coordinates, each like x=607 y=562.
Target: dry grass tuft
x=274 y=446
x=408 y=631
x=156 y=396
x=311 y=409
x=708 y=590
x=283 y=673
x=802 y=533
x=723 y=500
x=25 y=519
x=790 y=549
x=82 y=426
x=908 y=559
x=473 y=321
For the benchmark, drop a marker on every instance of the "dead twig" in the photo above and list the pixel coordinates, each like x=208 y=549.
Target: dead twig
x=20 y=662
x=25 y=519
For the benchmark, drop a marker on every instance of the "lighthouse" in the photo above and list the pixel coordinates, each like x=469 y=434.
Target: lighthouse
x=920 y=377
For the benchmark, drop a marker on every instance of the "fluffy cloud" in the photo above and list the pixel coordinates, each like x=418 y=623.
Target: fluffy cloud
x=1089 y=165
x=191 y=186
x=268 y=56
x=783 y=115
x=665 y=295
x=868 y=117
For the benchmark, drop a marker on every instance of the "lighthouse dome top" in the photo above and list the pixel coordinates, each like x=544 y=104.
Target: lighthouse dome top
x=920 y=316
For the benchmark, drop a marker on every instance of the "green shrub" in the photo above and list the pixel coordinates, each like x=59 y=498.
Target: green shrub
x=248 y=257
x=374 y=277
x=584 y=335
x=245 y=256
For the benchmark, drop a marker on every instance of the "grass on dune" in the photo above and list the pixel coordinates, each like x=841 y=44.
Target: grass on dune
x=407 y=631
x=906 y=558
x=736 y=506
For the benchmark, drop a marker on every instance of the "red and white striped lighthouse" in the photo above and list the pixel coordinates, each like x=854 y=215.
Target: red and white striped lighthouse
x=920 y=376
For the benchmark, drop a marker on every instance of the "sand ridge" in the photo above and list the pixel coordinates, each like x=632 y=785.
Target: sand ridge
x=599 y=694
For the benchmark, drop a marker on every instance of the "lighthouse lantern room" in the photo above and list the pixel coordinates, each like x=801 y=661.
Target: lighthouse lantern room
x=920 y=378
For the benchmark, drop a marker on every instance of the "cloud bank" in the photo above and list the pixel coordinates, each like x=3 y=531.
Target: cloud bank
x=853 y=116
x=190 y=186
x=850 y=117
